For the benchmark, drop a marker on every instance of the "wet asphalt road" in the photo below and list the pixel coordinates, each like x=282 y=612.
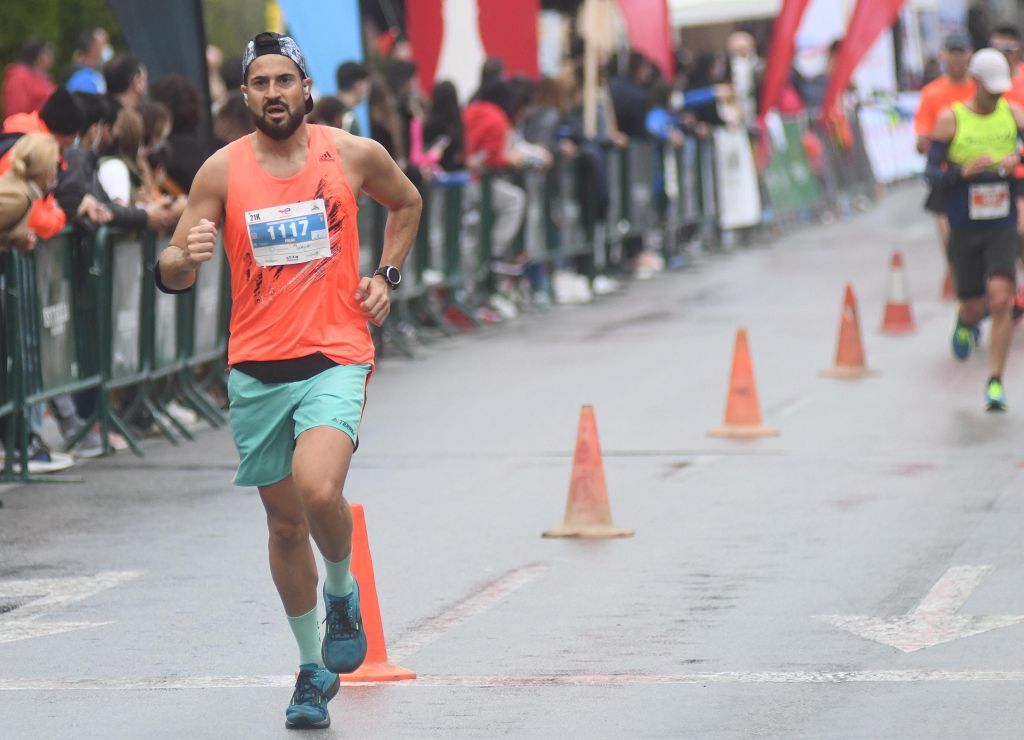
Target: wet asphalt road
x=706 y=624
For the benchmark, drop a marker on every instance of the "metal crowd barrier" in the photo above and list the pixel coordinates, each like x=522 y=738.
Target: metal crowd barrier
x=797 y=192
x=82 y=314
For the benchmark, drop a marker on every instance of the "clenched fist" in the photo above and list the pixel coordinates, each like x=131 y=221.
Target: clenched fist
x=202 y=238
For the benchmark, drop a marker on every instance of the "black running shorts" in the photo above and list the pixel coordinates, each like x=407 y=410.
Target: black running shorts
x=978 y=254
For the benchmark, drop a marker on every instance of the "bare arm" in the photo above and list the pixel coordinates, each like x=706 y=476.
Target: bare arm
x=378 y=176
x=195 y=236
x=387 y=184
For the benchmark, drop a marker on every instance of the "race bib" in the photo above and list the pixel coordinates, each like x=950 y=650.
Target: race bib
x=989 y=201
x=289 y=235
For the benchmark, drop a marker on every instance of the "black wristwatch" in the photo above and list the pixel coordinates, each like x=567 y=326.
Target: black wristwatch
x=392 y=274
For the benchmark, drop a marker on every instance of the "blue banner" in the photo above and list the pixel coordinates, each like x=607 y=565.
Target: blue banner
x=328 y=33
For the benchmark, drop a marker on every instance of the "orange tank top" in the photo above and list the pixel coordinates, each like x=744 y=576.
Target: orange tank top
x=293 y=248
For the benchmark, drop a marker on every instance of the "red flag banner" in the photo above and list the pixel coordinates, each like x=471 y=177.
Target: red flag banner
x=780 y=53
x=650 y=33
x=451 y=38
x=869 y=19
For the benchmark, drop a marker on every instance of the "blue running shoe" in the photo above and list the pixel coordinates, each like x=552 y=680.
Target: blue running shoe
x=314 y=687
x=344 y=646
x=964 y=339
x=995 y=395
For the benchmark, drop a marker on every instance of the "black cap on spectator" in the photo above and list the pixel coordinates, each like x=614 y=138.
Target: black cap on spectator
x=349 y=73
x=958 y=41
x=61 y=114
x=119 y=73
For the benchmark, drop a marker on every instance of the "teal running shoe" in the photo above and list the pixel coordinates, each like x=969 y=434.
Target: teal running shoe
x=344 y=645
x=995 y=395
x=314 y=687
x=964 y=339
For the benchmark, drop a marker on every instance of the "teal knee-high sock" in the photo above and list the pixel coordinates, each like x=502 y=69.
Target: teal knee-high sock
x=306 y=629
x=339 y=580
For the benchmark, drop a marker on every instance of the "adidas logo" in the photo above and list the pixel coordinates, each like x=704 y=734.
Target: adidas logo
x=326 y=157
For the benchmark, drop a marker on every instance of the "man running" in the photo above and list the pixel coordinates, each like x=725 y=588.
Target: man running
x=300 y=351
x=972 y=158
x=954 y=86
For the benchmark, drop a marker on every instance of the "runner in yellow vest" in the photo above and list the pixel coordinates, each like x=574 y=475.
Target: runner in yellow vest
x=972 y=160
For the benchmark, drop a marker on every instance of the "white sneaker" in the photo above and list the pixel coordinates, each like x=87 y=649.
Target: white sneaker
x=117 y=442
x=182 y=414
x=604 y=285
x=505 y=307
x=41 y=459
x=571 y=288
x=90 y=445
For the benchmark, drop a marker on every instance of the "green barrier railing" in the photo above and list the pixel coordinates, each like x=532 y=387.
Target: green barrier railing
x=49 y=352
x=84 y=314
x=790 y=183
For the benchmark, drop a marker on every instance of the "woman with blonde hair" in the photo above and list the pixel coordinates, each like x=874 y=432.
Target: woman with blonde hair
x=33 y=172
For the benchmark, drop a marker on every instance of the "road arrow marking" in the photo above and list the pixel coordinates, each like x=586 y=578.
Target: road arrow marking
x=25 y=602
x=933 y=621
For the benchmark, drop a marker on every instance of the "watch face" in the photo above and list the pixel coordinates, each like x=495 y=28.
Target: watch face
x=392 y=275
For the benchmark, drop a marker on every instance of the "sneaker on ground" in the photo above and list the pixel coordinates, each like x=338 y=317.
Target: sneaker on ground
x=504 y=306
x=995 y=395
x=117 y=442
x=964 y=339
x=314 y=687
x=604 y=285
x=571 y=288
x=90 y=445
x=41 y=459
x=182 y=414
x=344 y=646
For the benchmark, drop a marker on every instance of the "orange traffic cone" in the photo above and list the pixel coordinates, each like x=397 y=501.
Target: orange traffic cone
x=587 y=513
x=376 y=666
x=850 y=350
x=897 y=319
x=742 y=413
x=948 y=294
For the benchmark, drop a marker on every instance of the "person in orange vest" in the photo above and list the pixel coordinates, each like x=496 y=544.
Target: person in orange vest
x=954 y=86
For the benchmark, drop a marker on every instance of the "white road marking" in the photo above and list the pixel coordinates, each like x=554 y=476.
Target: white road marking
x=553 y=679
x=35 y=598
x=933 y=621
x=476 y=603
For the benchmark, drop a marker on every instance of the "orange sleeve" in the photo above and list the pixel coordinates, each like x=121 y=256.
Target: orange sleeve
x=46 y=217
x=927 y=114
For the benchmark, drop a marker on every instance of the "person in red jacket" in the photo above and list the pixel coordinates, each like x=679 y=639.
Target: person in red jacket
x=489 y=145
x=27 y=82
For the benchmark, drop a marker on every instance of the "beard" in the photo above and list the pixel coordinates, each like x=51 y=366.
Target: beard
x=279 y=131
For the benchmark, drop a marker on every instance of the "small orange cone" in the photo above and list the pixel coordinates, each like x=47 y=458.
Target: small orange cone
x=742 y=412
x=897 y=319
x=850 y=350
x=587 y=514
x=948 y=294
x=376 y=666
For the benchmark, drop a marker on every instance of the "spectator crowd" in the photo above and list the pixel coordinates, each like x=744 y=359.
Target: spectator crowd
x=111 y=147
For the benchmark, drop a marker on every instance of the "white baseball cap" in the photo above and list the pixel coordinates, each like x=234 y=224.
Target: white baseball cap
x=991 y=69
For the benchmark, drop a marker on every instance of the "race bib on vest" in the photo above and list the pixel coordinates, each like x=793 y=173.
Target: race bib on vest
x=289 y=235
x=989 y=201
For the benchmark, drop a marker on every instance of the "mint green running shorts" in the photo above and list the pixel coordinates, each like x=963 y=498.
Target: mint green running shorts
x=267 y=418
